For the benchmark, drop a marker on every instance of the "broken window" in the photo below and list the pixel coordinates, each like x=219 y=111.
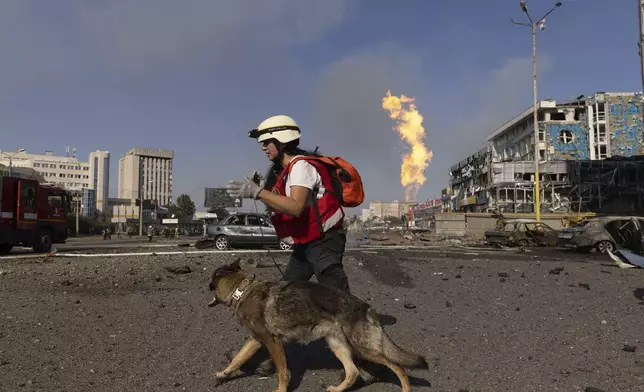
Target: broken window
x=565 y=136
x=558 y=116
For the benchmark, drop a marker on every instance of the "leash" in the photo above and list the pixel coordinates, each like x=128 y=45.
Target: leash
x=265 y=246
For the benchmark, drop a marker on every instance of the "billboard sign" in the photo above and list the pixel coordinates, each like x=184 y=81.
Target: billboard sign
x=218 y=198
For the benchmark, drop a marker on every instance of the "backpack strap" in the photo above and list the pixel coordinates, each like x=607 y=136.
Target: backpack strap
x=325 y=161
x=313 y=193
x=312 y=198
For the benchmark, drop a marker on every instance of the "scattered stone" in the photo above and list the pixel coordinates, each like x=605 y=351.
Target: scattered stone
x=502 y=280
x=503 y=274
x=179 y=270
x=448 y=304
x=78 y=301
x=593 y=389
x=606 y=272
x=66 y=283
x=176 y=384
x=409 y=305
x=556 y=271
x=458 y=277
x=584 y=285
x=629 y=349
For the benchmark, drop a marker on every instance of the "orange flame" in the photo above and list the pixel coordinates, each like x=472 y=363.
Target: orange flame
x=409 y=125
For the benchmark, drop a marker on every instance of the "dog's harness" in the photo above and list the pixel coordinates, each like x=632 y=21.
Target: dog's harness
x=236 y=297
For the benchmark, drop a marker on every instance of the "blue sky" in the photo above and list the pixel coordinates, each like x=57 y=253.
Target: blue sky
x=195 y=75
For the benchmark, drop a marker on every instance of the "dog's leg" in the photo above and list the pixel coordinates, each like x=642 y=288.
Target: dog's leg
x=276 y=350
x=343 y=352
x=249 y=349
x=400 y=372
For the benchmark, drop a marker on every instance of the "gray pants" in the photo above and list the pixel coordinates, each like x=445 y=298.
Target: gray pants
x=322 y=258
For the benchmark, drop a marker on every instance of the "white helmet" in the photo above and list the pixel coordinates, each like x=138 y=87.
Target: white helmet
x=281 y=128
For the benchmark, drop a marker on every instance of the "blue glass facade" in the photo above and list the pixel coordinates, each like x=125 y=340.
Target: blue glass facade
x=88 y=208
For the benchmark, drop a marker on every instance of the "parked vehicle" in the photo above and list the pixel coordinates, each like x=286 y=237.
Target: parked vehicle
x=604 y=234
x=245 y=229
x=521 y=232
x=31 y=214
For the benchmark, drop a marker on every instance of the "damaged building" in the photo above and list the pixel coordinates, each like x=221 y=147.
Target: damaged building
x=501 y=175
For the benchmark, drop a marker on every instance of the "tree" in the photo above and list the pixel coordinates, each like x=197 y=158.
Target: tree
x=185 y=208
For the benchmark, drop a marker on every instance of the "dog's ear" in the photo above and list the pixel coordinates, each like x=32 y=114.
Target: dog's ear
x=235 y=265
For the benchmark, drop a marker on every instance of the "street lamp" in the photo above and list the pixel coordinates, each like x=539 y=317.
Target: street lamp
x=541 y=22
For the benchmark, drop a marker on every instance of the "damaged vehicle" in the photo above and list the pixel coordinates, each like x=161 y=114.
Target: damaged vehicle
x=604 y=234
x=243 y=230
x=521 y=232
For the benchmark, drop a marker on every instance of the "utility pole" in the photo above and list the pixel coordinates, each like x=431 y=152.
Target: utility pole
x=140 y=196
x=78 y=209
x=541 y=22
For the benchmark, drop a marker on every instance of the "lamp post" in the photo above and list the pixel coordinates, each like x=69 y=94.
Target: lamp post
x=11 y=159
x=541 y=22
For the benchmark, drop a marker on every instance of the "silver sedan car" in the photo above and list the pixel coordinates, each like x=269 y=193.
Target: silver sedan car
x=246 y=229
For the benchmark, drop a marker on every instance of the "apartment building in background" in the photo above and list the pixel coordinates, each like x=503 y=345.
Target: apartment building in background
x=590 y=128
x=146 y=173
x=383 y=209
x=69 y=172
x=99 y=177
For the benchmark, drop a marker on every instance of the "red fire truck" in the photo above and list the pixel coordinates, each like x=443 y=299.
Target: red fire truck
x=31 y=214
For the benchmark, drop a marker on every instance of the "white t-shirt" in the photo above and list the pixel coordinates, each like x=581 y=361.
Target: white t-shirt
x=304 y=174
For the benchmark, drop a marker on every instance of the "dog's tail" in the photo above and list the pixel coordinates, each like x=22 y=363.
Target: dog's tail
x=401 y=357
x=392 y=351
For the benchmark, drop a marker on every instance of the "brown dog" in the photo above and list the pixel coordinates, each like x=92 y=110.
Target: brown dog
x=278 y=312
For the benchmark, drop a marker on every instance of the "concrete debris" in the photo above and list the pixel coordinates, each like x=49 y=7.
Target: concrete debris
x=629 y=349
x=179 y=270
x=399 y=237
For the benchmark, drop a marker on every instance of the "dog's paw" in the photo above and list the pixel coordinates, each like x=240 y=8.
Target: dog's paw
x=221 y=375
x=334 y=389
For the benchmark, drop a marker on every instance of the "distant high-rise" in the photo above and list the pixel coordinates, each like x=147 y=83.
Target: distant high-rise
x=99 y=177
x=148 y=171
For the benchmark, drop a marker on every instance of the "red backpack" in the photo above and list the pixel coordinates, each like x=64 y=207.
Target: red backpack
x=346 y=179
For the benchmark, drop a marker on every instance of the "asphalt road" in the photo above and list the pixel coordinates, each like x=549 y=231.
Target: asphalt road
x=485 y=320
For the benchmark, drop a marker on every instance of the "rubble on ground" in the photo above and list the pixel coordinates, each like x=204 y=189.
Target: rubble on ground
x=420 y=238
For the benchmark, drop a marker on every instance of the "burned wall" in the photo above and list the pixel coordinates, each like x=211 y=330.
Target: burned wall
x=625 y=124
x=568 y=141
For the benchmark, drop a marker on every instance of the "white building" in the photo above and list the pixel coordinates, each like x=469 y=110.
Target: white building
x=383 y=209
x=99 y=177
x=146 y=173
x=66 y=171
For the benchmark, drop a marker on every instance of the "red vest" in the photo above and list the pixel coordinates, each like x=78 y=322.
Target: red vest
x=306 y=228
